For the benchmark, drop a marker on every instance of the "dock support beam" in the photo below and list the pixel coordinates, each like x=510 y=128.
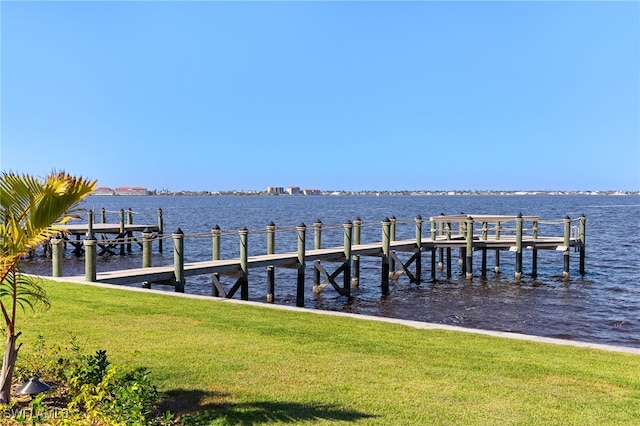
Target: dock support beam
x=386 y=245
x=271 y=272
x=302 y=229
x=178 y=260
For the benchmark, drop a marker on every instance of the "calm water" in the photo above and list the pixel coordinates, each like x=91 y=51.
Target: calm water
x=603 y=306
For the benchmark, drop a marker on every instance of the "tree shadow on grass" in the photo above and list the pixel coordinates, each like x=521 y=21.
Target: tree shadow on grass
x=198 y=407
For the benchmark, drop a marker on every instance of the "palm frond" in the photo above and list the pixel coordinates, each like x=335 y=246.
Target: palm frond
x=27 y=290
x=30 y=208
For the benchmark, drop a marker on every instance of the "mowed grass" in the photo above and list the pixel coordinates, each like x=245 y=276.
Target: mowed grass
x=227 y=363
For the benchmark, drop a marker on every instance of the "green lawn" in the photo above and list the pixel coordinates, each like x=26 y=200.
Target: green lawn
x=239 y=364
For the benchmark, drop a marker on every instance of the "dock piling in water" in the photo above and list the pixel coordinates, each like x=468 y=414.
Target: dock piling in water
x=567 y=239
x=582 y=235
x=519 y=221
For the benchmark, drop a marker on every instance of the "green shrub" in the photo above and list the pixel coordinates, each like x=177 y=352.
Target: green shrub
x=95 y=392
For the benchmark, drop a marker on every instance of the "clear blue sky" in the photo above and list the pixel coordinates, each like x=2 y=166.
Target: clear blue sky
x=328 y=95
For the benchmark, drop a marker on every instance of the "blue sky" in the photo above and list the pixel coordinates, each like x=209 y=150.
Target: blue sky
x=328 y=95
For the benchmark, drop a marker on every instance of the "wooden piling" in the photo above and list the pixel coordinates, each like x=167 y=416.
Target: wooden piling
x=215 y=255
x=392 y=237
x=462 y=231
x=497 y=265
x=244 y=263
x=518 y=273
x=103 y=215
x=386 y=245
x=147 y=239
x=90 y=222
x=434 y=232
x=90 y=257
x=448 y=229
x=418 y=260
x=271 y=273
x=485 y=234
x=469 y=248
x=160 y=230
x=441 y=232
x=178 y=260
x=346 y=273
x=57 y=253
x=121 y=235
x=129 y=233
x=534 y=251
x=302 y=229
x=567 y=242
x=355 y=273
x=582 y=234
x=317 y=244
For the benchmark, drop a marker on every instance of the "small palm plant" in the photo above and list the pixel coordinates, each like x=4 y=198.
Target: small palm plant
x=30 y=209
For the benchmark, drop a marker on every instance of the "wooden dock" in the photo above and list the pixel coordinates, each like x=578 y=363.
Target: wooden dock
x=467 y=233
x=112 y=235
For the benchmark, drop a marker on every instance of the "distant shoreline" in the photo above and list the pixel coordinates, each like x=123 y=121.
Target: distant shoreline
x=364 y=193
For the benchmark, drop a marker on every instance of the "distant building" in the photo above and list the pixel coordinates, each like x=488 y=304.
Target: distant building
x=275 y=190
x=293 y=190
x=103 y=190
x=311 y=192
x=130 y=190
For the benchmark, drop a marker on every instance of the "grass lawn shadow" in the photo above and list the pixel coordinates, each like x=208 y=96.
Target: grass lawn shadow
x=199 y=407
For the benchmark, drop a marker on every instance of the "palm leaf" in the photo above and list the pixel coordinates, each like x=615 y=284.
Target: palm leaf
x=30 y=209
